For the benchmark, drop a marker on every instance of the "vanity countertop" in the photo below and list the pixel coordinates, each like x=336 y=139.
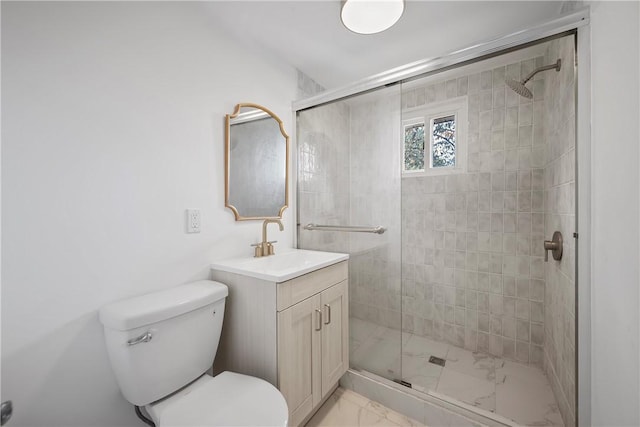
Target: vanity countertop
x=282 y=266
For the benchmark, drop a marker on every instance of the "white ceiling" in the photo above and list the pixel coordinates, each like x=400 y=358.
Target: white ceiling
x=309 y=35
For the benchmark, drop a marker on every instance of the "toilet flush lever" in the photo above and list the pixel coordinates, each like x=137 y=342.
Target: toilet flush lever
x=146 y=337
x=555 y=246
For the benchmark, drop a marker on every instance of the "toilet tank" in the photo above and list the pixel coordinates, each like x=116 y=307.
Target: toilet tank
x=159 y=342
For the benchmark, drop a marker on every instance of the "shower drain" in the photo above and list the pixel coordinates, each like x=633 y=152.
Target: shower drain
x=432 y=359
x=403 y=382
x=436 y=360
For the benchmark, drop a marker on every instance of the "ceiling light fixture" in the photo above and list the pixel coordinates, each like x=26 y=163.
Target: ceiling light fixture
x=371 y=16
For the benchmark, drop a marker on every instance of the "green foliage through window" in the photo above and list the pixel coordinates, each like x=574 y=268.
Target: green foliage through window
x=414 y=147
x=444 y=142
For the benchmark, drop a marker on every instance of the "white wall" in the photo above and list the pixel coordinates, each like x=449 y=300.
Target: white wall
x=615 y=136
x=112 y=126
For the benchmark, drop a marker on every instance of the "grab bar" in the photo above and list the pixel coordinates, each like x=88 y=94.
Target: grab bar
x=347 y=228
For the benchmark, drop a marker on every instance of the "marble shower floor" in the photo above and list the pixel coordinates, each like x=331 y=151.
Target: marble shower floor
x=513 y=390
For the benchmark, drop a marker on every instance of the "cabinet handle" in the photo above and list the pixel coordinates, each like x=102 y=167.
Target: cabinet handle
x=328 y=307
x=319 y=320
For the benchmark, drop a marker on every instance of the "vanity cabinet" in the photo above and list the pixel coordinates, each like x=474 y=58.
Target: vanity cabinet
x=294 y=334
x=312 y=349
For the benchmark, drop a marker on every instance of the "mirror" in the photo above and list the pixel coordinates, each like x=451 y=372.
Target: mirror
x=257 y=163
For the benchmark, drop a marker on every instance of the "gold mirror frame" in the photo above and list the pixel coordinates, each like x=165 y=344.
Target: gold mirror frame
x=227 y=163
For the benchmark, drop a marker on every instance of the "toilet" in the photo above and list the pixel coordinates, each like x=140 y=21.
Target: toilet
x=160 y=346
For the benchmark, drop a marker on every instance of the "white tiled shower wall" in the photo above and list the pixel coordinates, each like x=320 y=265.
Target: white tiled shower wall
x=348 y=174
x=323 y=157
x=323 y=175
x=559 y=340
x=473 y=272
x=375 y=201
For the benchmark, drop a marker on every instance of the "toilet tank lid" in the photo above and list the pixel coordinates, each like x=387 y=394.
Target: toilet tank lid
x=157 y=306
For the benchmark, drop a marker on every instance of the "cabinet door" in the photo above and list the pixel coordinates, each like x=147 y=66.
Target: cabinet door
x=335 y=335
x=299 y=341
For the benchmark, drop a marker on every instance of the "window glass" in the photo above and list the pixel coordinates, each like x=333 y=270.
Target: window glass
x=414 y=147
x=443 y=147
x=434 y=138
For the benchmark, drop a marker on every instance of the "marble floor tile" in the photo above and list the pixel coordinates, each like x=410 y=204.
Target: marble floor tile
x=351 y=396
x=342 y=413
x=380 y=353
x=415 y=345
x=419 y=372
x=514 y=390
x=359 y=331
x=478 y=365
x=528 y=373
x=348 y=409
x=529 y=402
x=469 y=389
x=392 y=415
x=416 y=367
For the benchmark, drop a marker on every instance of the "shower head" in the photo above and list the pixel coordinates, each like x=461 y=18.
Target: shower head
x=521 y=89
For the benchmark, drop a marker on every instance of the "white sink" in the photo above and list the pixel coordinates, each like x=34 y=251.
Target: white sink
x=280 y=267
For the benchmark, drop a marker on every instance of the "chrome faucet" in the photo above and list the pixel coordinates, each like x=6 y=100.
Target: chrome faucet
x=265 y=248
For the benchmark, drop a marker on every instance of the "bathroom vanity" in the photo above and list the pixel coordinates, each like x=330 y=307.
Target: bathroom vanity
x=286 y=321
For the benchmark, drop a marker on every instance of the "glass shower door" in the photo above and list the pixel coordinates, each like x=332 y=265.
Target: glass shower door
x=488 y=176
x=349 y=176
x=469 y=177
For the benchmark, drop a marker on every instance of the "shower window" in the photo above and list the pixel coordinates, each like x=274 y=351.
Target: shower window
x=443 y=141
x=434 y=139
x=414 y=147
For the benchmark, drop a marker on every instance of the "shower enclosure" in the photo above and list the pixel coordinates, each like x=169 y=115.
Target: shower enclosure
x=468 y=178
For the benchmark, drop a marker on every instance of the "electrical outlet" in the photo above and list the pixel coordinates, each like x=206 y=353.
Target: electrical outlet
x=193 y=220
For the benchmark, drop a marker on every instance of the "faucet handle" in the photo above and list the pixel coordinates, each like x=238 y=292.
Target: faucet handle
x=269 y=249
x=555 y=246
x=258 y=251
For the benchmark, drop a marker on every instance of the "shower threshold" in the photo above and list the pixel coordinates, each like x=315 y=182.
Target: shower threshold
x=426 y=406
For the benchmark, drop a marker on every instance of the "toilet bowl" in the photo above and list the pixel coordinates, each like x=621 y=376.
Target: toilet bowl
x=161 y=344
x=229 y=399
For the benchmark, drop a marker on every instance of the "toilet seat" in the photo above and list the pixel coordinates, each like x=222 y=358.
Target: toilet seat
x=229 y=399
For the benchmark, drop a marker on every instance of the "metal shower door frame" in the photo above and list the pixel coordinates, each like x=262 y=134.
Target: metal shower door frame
x=578 y=22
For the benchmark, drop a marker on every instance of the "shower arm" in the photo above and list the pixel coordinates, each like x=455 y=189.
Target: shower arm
x=545 y=68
